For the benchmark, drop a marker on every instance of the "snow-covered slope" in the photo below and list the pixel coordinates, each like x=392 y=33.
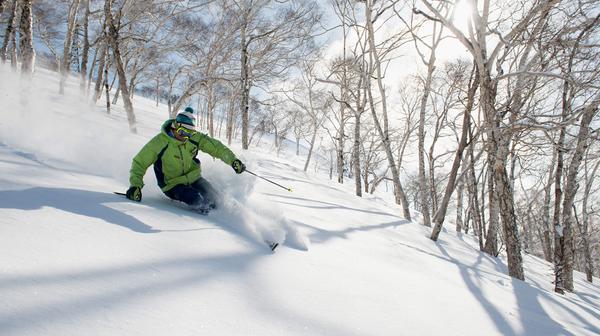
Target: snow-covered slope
x=78 y=260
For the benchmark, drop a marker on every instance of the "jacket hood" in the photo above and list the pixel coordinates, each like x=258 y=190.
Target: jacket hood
x=166 y=126
x=164 y=130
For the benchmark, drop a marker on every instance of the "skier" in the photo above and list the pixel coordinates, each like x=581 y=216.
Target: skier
x=173 y=152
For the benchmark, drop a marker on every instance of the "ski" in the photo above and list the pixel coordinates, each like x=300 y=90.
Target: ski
x=272 y=245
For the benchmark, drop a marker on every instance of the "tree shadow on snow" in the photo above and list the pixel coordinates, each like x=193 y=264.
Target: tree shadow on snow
x=319 y=235
x=81 y=202
x=322 y=205
x=121 y=285
x=534 y=319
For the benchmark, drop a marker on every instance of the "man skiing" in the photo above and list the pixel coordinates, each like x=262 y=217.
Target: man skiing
x=173 y=152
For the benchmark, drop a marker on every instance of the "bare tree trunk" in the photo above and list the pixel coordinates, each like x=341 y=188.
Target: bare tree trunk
x=473 y=195
x=26 y=39
x=559 y=244
x=440 y=214
x=491 y=237
x=509 y=222
x=113 y=37
x=106 y=88
x=356 y=154
x=230 y=118
x=466 y=225
x=100 y=74
x=583 y=230
x=356 y=160
x=361 y=98
x=157 y=90
x=86 y=46
x=546 y=235
x=365 y=178
x=563 y=238
x=341 y=132
x=423 y=189
x=565 y=261
x=117 y=93
x=9 y=35
x=384 y=132
x=91 y=72
x=340 y=147
x=245 y=82
x=344 y=98
x=210 y=107
x=587 y=258
x=499 y=145
x=312 y=145
x=65 y=62
x=459 y=199
x=134 y=75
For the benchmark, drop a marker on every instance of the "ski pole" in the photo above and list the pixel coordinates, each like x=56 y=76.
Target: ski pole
x=266 y=179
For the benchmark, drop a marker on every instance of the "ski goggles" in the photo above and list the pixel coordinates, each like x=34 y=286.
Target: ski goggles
x=185 y=132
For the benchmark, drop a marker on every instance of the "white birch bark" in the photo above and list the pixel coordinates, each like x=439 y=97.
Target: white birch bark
x=11 y=26
x=113 y=38
x=86 y=47
x=26 y=39
x=384 y=129
x=66 y=57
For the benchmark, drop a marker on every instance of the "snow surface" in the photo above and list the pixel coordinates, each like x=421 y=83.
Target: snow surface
x=78 y=260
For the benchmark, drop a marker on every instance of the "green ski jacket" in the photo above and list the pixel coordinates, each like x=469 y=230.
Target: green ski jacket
x=174 y=160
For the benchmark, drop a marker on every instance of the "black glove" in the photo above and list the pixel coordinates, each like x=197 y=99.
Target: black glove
x=238 y=166
x=134 y=194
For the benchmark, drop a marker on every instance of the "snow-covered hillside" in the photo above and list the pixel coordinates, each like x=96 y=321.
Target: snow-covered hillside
x=78 y=260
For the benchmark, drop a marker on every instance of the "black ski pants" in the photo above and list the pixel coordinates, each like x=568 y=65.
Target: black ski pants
x=199 y=192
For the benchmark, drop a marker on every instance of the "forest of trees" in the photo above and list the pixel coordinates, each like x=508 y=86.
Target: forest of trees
x=501 y=141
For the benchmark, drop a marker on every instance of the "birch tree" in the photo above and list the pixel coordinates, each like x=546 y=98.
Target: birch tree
x=86 y=46
x=428 y=57
x=66 y=57
x=458 y=158
x=26 y=39
x=208 y=47
x=590 y=170
x=273 y=36
x=313 y=101
x=114 y=40
x=382 y=123
x=563 y=232
x=498 y=140
x=9 y=35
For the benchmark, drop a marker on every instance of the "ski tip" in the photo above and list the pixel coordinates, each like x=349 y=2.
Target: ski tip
x=119 y=193
x=272 y=245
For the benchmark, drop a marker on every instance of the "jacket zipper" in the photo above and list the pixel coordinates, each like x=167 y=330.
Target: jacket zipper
x=182 y=162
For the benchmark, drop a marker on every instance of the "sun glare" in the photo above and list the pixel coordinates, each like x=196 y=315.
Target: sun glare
x=462 y=15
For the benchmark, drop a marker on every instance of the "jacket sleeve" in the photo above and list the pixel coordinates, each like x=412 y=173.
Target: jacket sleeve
x=146 y=156
x=214 y=148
